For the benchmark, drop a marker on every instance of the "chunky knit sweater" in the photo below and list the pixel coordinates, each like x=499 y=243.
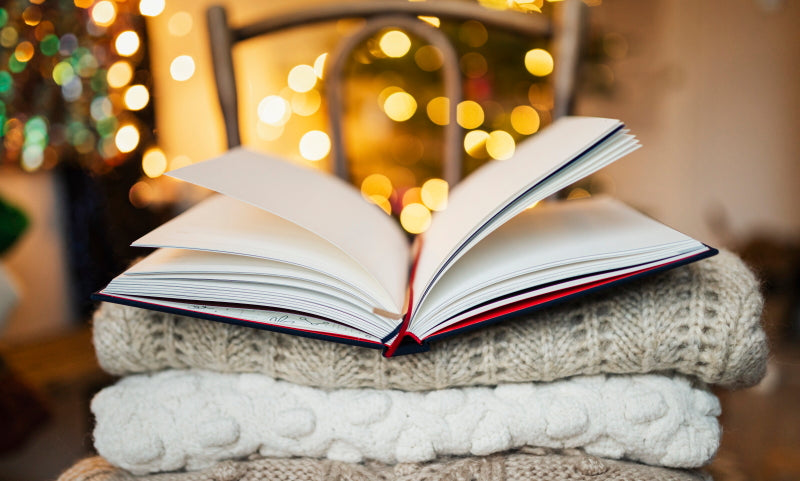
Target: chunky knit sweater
x=701 y=320
x=523 y=465
x=193 y=419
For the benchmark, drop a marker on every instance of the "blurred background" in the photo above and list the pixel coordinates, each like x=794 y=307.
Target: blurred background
x=98 y=99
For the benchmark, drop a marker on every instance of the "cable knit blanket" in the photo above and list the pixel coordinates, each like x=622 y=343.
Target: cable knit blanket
x=175 y=419
x=701 y=320
x=523 y=465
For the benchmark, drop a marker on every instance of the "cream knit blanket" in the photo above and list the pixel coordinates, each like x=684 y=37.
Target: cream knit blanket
x=527 y=464
x=193 y=419
x=701 y=320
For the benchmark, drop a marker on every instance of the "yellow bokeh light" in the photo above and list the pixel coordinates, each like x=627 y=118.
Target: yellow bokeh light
x=141 y=194
x=578 y=193
x=319 y=65
x=127 y=138
x=473 y=65
x=24 y=51
x=500 y=145
x=154 y=162
x=274 y=110
x=429 y=58
x=475 y=143
x=182 y=68
x=473 y=33
x=119 y=74
x=136 y=97
x=415 y=218
x=180 y=24
x=32 y=15
x=394 y=43
x=434 y=194
x=269 y=132
x=307 y=103
x=302 y=78
x=412 y=196
x=179 y=161
x=539 y=62
x=400 y=106
x=127 y=43
x=381 y=202
x=525 y=119
x=83 y=3
x=104 y=13
x=315 y=145
x=151 y=8
x=435 y=21
x=376 y=185
x=385 y=93
x=469 y=114
x=439 y=110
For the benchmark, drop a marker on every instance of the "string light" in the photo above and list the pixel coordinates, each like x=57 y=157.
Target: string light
x=302 y=78
x=500 y=145
x=151 y=8
x=376 y=185
x=24 y=51
x=154 y=162
x=104 y=13
x=469 y=114
x=394 y=43
x=274 y=110
x=127 y=138
x=539 y=62
x=400 y=106
x=127 y=43
x=525 y=119
x=182 y=68
x=434 y=194
x=415 y=218
x=136 y=97
x=119 y=74
x=315 y=145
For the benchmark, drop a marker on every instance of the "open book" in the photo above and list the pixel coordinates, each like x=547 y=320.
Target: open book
x=294 y=250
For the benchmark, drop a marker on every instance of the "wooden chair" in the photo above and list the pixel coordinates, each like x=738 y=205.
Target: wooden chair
x=381 y=14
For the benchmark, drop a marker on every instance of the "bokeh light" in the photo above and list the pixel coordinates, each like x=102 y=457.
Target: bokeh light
x=473 y=33
x=127 y=138
x=434 y=194
x=179 y=161
x=24 y=51
x=127 y=43
x=319 y=65
x=469 y=114
x=438 y=110
x=302 y=78
x=539 y=62
x=306 y=103
x=136 y=97
x=154 y=162
x=151 y=8
x=415 y=218
x=274 y=110
x=119 y=74
x=180 y=24
x=525 y=119
x=182 y=68
x=104 y=13
x=394 y=43
x=429 y=58
x=315 y=145
x=500 y=145
x=400 y=106
x=376 y=185
x=475 y=143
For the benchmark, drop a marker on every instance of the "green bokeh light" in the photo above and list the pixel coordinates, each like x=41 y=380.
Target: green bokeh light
x=6 y=81
x=49 y=45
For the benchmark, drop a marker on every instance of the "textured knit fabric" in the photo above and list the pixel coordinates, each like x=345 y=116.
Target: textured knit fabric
x=524 y=465
x=175 y=419
x=701 y=320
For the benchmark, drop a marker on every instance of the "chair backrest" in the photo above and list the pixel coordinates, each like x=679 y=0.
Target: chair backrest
x=401 y=14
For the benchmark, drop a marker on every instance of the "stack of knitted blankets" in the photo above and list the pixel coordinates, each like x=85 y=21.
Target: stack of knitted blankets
x=612 y=386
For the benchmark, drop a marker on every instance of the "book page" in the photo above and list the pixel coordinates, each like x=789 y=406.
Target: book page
x=226 y=225
x=315 y=201
x=487 y=192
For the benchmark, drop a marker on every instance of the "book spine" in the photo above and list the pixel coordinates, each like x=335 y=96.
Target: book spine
x=403 y=336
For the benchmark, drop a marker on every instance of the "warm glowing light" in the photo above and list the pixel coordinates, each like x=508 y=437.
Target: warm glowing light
x=319 y=65
x=136 y=97
x=431 y=20
x=469 y=114
x=474 y=65
x=141 y=194
x=415 y=218
x=439 y=110
x=119 y=74
x=315 y=145
x=127 y=138
x=539 y=62
x=305 y=104
x=63 y=73
x=32 y=15
x=154 y=162
x=500 y=145
x=151 y=8
x=268 y=132
x=179 y=161
x=24 y=51
x=475 y=143
x=32 y=157
x=525 y=119
x=394 y=43
x=473 y=33
x=180 y=24
x=127 y=43
x=385 y=93
x=83 y=3
x=8 y=37
x=274 y=110
x=302 y=78
x=104 y=13
x=381 y=202
x=578 y=193
x=434 y=194
x=182 y=68
x=429 y=58
x=376 y=185
x=400 y=106
x=412 y=196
